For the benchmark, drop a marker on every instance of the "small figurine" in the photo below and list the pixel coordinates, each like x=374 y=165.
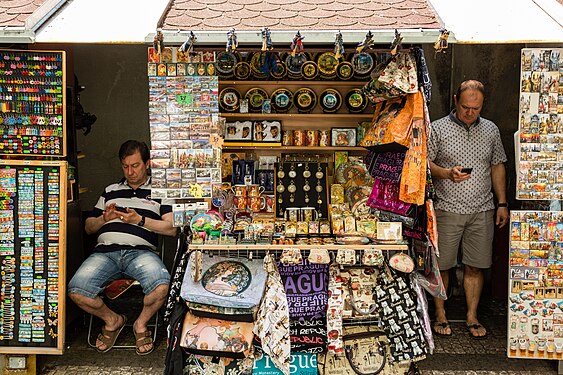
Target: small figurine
x=232 y=42
x=441 y=44
x=267 y=44
x=366 y=43
x=188 y=45
x=158 y=42
x=297 y=44
x=338 y=45
x=396 y=43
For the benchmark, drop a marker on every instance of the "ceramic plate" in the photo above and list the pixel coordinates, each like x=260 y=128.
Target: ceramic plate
x=356 y=101
x=352 y=240
x=355 y=194
x=362 y=63
x=327 y=64
x=305 y=100
x=345 y=70
x=226 y=62
x=255 y=65
x=282 y=100
x=229 y=99
x=280 y=71
x=242 y=70
x=309 y=70
x=293 y=63
x=330 y=100
x=255 y=97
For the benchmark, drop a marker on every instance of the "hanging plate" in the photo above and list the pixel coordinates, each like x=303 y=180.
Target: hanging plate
x=229 y=99
x=330 y=100
x=282 y=100
x=226 y=62
x=362 y=63
x=280 y=70
x=345 y=70
x=255 y=63
x=309 y=70
x=255 y=97
x=242 y=70
x=293 y=63
x=356 y=101
x=305 y=100
x=327 y=64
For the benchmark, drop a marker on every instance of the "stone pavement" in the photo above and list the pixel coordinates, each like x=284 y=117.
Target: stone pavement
x=455 y=355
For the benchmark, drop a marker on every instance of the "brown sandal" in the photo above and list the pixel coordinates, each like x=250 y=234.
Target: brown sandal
x=142 y=339
x=108 y=338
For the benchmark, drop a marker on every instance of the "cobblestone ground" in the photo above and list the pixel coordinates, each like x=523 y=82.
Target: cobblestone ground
x=458 y=354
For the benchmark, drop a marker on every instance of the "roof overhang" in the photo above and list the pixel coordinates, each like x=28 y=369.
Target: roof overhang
x=282 y=37
x=16 y=35
x=502 y=21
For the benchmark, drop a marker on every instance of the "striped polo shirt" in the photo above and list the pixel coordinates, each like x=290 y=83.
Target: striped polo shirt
x=478 y=146
x=117 y=235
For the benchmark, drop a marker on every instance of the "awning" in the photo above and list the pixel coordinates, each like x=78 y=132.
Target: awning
x=502 y=21
x=103 y=21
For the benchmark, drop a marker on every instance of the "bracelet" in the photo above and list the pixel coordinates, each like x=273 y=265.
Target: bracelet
x=502 y=205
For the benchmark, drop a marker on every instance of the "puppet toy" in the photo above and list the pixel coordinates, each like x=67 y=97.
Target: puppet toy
x=396 y=43
x=366 y=43
x=338 y=45
x=267 y=44
x=188 y=45
x=232 y=42
x=441 y=44
x=158 y=42
x=297 y=44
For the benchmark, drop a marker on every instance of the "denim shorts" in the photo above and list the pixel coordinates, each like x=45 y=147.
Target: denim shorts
x=101 y=268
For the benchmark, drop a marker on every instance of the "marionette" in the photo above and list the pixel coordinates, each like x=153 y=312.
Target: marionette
x=338 y=45
x=267 y=44
x=396 y=43
x=297 y=44
x=441 y=44
x=158 y=42
x=268 y=59
x=366 y=43
x=232 y=42
x=188 y=45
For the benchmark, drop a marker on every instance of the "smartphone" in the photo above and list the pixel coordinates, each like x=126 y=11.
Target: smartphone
x=466 y=170
x=121 y=209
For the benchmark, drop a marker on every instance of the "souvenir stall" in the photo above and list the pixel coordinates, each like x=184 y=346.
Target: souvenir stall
x=33 y=196
x=536 y=281
x=304 y=198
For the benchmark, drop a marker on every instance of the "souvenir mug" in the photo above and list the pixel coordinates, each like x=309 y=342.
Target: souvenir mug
x=240 y=203
x=292 y=214
x=269 y=203
x=287 y=138
x=239 y=190
x=309 y=214
x=324 y=138
x=299 y=137
x=256 y=204
x=254 y=190
x=312 y=138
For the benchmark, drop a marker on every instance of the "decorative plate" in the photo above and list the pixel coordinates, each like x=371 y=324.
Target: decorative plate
x=282 y=100
x=309 y=70
x=293 y=63
x=361 y=208
x=353 y=174
x=280 y=71
x=352 y=240
x=327 y=64
x=362 y=63
x=255 y=97
x=255 y=65
x=201 y=222
x=226 y=62
x=229 y=99
x=305 y=100
x=242 y=70
x=356 y=101
x=330 y=100
x=357 y=193
x=345 y=70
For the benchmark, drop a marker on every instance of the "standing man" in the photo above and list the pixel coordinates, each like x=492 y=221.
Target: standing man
x=466 y=161
x=128 y=223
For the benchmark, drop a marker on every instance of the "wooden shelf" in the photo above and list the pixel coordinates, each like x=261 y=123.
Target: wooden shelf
x=302 y=247
x=240 y=146
x=281 y=116
x=292 y=83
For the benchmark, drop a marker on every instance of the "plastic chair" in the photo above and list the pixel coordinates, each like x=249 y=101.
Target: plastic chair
x=112 y=291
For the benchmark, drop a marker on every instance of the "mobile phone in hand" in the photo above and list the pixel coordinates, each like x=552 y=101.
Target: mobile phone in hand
x=466 y=170
x=121 y=209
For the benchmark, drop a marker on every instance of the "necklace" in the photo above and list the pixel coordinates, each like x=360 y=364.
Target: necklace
x=281 y=173
x=292 y=173
x=307 y=172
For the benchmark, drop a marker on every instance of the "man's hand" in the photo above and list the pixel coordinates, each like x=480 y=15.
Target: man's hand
x=456 y=175
x=502 y=216
x=129 y=217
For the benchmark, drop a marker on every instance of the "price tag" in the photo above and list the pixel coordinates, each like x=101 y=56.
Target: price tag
x=184 y=99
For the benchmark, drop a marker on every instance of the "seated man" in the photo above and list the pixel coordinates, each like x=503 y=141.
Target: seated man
x=128 y=223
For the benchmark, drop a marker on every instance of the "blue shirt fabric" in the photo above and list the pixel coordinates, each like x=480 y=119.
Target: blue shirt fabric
x=478 y=146
x=116 y=235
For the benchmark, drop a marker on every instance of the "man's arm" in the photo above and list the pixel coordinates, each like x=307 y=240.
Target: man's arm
x=93 y=224
x=454 y=174
x=498 y=178
x=162 y=226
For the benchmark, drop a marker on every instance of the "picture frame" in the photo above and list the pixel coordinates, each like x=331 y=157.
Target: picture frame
x=267 y=131
x=343 y=137
x=238 y=131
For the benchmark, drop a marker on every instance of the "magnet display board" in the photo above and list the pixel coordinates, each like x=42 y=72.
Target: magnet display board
x=32 y=103
x=32 y=256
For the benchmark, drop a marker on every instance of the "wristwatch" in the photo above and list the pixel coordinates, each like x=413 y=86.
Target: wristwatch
x=142 y=222
x=502 y=204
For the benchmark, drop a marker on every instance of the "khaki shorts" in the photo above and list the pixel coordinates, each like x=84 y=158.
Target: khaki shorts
x=475 y=233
